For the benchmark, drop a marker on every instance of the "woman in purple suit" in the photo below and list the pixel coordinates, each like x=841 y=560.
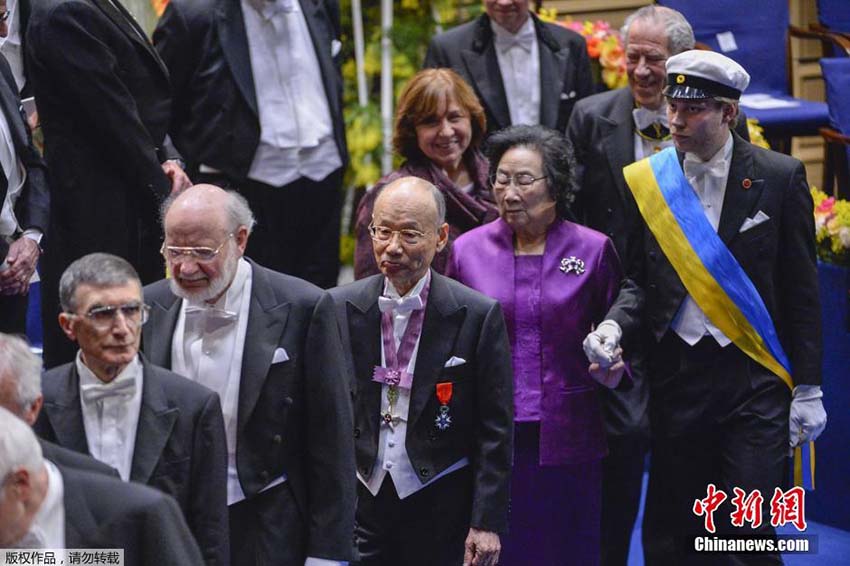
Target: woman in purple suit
x=555 y=280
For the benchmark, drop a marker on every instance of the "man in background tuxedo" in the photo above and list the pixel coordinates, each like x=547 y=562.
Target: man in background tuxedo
x=24 y=202
x=258 y=108
x=268 y=344
x=523 y=70
x=433 y=395
x=155 y=427
x=46 y=505
x=104 y=101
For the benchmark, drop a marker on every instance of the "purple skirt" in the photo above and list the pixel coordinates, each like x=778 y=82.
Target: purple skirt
x=555 y=510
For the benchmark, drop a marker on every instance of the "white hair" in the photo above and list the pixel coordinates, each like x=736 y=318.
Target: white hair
x=19 y=448
x=22 y=367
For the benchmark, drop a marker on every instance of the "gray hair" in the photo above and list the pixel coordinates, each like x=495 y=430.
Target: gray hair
x=440 y=202
x=23 y=367
x=680 y=34
x=18 y=446
x=97 y=270
x=236 y=208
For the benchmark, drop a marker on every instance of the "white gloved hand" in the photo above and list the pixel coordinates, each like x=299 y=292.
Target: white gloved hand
x=601 y=346
x=808 y=417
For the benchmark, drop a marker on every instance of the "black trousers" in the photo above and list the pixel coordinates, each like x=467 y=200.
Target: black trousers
x=298 y=225
x=717 y=417
x=267 y=530
x=427 y=528
x=13 y=314
x=622 y=480
x=627 y=427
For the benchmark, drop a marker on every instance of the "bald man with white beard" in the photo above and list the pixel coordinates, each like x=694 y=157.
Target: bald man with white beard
x=268 y=344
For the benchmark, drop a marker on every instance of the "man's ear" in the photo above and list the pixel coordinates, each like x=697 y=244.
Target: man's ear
x=730 y=112
x=442 y=236
x=31 y=414
x=241 y=237
x=66 y=322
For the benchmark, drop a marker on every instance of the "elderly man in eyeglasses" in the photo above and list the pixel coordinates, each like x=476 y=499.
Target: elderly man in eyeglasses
x=268 y=343
x=153 y=426
x=433 y=395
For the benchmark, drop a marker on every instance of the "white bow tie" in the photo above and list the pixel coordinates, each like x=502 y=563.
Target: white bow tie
x=94 y=392
x=404 y=304
x=644 y=118
x=212 y=312
x=695 y=168
x=524 y=38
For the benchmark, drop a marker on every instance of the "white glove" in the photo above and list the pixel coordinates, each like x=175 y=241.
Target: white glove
x=808 y=417
x=602 y=344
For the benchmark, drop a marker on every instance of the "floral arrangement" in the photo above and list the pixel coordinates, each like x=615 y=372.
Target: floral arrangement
x=832 y=228
x=604 y=46
x=756 y=133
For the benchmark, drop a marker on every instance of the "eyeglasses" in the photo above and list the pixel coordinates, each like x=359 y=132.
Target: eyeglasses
x=408 y=236
x=103 y=317
x=199 y=254
x=522 y=181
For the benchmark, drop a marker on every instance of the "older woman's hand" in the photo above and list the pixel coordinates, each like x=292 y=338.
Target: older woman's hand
x=609 y=375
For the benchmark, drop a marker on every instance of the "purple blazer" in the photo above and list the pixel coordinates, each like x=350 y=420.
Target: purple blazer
x=571 y=429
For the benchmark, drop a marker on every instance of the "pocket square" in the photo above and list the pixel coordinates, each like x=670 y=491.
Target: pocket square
x=454 y=361
x=280 y=355
x=336 y=47
x=568 y=96
x=754 y=221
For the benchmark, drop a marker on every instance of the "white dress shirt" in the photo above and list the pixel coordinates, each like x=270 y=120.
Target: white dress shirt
x=47 y=530
x=16 y=174
x=111 y=422
x=207 y=347
x=519 y=64
x=644 y=117
x=690 y=323
x=296 y=130
x=10 y=46
x=392 y=456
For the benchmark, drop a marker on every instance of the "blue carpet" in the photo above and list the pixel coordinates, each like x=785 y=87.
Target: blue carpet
x=833 y=544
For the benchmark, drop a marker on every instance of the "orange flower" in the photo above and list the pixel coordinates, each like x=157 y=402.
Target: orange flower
x=593 y=47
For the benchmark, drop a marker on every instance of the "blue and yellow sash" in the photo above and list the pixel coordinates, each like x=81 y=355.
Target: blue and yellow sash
x=708 y=270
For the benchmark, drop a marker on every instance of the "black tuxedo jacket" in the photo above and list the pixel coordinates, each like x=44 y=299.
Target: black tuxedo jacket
x=458 y=322
x=75 y=460
x=565 y=74
x=778 y=255
x=103 y=512
x=293 y=417
x=180 y=445
x=601 y=130
x=216 y=121
x=32 y=208
x=104 y=101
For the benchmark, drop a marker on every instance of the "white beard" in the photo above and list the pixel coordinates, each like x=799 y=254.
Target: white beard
x=216 y=286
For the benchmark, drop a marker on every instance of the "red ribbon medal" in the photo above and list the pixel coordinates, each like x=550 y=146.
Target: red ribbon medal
x=444 y=395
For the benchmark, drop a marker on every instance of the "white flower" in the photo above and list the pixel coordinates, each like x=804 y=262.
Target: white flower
x=844 y=236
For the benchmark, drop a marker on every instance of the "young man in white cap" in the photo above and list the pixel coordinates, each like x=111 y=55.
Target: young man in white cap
x=736 y=325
